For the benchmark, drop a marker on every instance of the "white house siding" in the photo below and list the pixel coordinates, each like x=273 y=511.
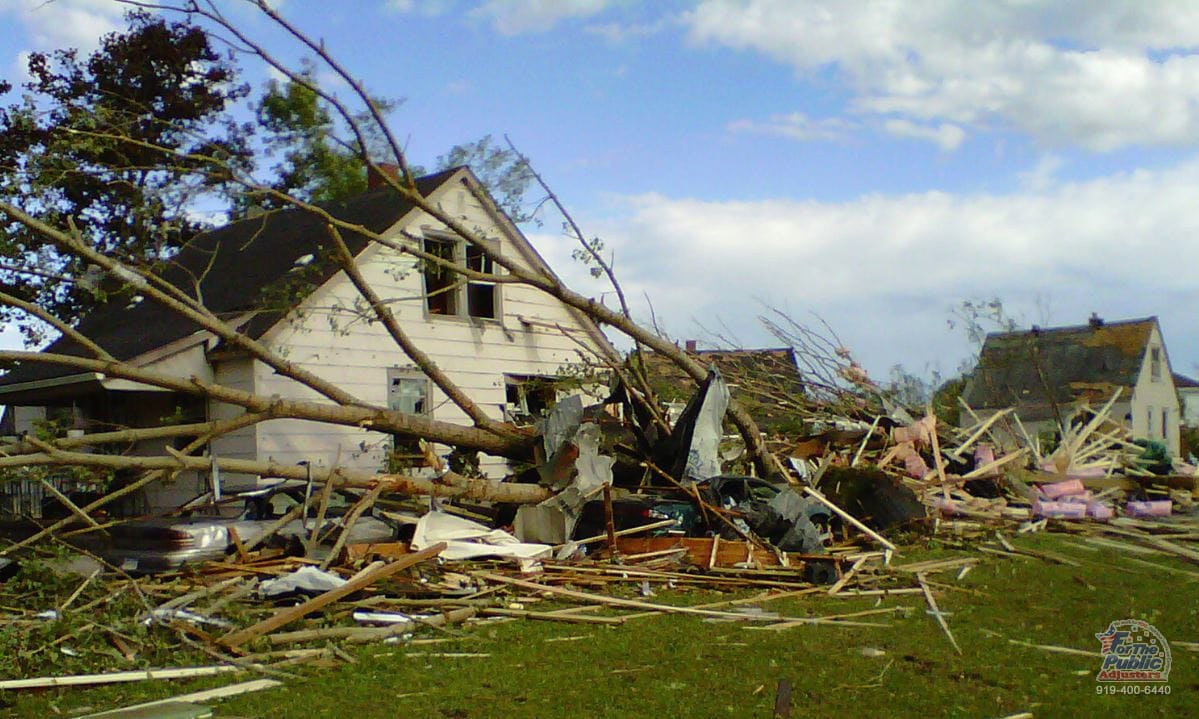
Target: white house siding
x=237 y=373
x=1151 y=397
x=356 y=355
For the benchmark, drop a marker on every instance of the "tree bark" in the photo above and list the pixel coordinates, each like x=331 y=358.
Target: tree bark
x=448 y=485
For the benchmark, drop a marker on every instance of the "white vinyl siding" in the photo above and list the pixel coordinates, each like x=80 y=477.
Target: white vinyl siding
x=358 y=355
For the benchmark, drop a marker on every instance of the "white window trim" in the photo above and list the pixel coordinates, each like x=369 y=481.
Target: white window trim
x=461 y=290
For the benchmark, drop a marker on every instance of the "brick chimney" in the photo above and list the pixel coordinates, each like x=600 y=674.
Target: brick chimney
x=376 y=176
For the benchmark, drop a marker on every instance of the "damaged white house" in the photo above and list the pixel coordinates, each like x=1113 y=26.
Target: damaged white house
x=499 y=342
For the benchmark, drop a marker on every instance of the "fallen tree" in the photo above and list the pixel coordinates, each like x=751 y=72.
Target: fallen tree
x=368 y=137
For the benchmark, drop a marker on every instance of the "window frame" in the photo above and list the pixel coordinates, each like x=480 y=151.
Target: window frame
x=402 y=374
x=462 y=255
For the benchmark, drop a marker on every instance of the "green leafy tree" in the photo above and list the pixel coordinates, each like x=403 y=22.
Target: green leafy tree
x=102 y=143
x=316 y=161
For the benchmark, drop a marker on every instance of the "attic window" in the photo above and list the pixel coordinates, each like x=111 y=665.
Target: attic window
x=441 y=293
x=1155 y=364
x=450 y=294
x=480 y=296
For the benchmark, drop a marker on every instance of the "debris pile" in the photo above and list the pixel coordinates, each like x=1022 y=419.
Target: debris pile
x=294 y=572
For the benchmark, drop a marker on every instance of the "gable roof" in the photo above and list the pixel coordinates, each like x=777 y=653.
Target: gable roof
x=233 y=265
x=1062 y=365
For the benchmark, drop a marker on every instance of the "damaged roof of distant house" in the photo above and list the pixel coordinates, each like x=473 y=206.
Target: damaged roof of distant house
x=764 y=379
x=1062 y=363
x=234 y=264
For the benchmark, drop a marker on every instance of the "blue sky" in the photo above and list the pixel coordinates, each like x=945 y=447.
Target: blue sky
x=875 y=163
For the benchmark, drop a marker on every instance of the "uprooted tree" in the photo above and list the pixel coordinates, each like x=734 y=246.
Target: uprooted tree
x=115 y=277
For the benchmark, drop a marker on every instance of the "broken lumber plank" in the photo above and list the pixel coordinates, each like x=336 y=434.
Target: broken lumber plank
x=850 y=518
x=932 y=603
x=1055 y=648
x=363 y=635
x=840 y=583
x=237 y=545
x=833 y=619
x=617 y=601
x=620 y=533
x=117 y=677
x=865 y=440
x=363 y=504
x=982 y=429
x=933 y=565
x=547 y=617
x=360 y=581
x=995 y=464
x=199 y=697
x=938 y=460
x=756 y=599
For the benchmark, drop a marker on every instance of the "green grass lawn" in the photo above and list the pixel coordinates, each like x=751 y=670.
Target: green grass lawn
x=676 y=666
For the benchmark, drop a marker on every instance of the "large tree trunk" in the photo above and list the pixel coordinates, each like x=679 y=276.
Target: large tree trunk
x=448 y=485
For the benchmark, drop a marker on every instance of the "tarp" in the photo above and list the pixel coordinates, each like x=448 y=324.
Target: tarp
x=466 y=539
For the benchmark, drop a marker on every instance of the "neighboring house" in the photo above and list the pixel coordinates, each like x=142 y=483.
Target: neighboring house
x=1188 y=396
x=767 y=382
x=265 y=274
x=1046 y=373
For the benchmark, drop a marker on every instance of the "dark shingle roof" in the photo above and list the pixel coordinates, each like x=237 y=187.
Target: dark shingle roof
x=234 y=265
x=1184 y=382
x=1059 y=365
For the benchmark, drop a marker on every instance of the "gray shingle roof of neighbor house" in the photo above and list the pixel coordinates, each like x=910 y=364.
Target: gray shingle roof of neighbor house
x=1067 y=364
x=1184 y=382
x=233 y=265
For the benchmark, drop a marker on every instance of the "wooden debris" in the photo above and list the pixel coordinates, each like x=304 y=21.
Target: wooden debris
x=361 y=581
x=117 y=677
x=813 y=492
x=936 y=612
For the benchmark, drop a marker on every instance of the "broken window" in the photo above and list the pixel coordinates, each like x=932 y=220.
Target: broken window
x=441 y=291
x=448 y=293
x=407 y=393
x=528 y=397
x=480 y=295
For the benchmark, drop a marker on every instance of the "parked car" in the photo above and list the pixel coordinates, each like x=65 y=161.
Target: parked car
x=201 y=531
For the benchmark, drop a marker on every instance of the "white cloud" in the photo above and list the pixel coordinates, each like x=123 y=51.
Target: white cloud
x=796 y=126
x=1042 y=175
x=885 y=269
x=65 y=23
x=615 y=32
x=428 y=8
x=946 y=135
x=1066 y=71
x=512 y=17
